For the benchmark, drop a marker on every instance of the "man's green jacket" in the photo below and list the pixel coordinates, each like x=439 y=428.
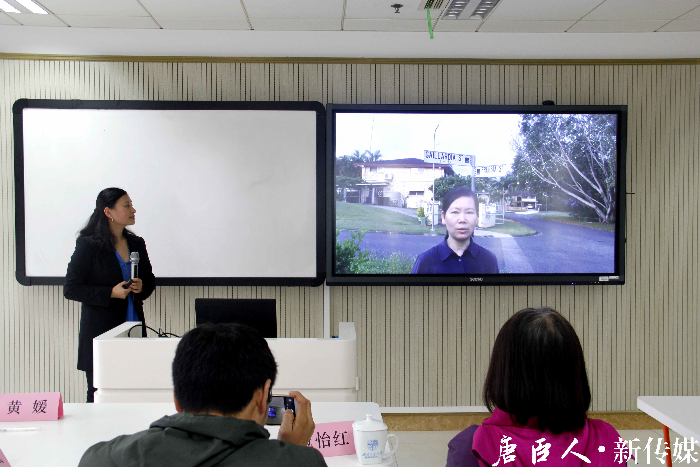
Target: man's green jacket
x=200 y=440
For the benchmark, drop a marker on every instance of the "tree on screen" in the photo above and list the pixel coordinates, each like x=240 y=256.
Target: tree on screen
x=496 y=189
x=449 y=182
x=372 y=156
x=576 y=154
x=347 y=174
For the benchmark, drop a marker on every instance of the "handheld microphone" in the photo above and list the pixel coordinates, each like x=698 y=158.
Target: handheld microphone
x=134 y=257
x=134 y=264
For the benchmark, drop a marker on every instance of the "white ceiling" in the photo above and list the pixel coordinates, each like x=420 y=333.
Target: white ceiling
x=550 y=28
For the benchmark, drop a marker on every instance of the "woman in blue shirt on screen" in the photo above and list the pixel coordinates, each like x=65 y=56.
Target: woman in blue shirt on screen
x=458 y=253
x=99 y=271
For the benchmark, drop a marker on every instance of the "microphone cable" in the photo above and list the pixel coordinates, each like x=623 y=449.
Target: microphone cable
x=159 y=332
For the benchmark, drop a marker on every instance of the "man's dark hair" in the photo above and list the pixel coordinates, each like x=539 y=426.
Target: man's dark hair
x=537 y=370
x=218 y=367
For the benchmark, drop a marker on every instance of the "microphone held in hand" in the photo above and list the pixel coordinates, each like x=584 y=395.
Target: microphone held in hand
x=134 y=258
x=134 y=264
x=134 y=274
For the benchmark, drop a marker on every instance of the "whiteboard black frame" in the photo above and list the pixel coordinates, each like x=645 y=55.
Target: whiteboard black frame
x=21 y=104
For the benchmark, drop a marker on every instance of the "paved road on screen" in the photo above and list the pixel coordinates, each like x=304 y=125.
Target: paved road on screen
x=565 y=248
x=559 y=248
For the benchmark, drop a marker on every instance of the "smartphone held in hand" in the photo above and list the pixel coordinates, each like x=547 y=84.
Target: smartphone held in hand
x=278 y=405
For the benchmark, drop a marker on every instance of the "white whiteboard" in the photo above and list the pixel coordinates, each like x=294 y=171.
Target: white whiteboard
x=218 y=193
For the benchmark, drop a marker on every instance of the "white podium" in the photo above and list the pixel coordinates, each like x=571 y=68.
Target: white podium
x=136 y=369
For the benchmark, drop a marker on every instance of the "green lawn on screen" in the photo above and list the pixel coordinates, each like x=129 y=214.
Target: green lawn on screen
x=350 y=216
x=516 y=229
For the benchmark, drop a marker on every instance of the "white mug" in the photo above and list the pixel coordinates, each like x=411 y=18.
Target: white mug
x=370 y=441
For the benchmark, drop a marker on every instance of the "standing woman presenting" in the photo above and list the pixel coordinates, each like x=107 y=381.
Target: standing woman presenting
x=100 y=269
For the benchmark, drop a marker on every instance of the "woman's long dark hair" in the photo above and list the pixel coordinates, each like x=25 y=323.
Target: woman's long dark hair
x=537 y=370
x=97 y=226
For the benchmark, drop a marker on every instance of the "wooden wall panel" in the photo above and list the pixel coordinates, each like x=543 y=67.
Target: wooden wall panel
x=418 y=346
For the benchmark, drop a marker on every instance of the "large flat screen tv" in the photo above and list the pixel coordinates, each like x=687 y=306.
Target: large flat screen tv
x=459 y=195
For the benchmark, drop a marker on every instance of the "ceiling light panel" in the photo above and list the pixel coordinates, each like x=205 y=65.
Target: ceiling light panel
x=7 y=8
x=33 y=7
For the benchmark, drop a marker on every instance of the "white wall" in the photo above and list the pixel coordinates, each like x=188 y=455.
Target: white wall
x=353 y=44
x=418 y=346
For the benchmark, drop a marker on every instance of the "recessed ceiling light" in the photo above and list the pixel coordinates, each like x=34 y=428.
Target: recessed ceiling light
x=7 y=8
x=483 y=9
x=455 y=8
x=33 y=7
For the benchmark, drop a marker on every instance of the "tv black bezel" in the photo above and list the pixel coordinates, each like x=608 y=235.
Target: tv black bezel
x=617 y=278
x=313 y=106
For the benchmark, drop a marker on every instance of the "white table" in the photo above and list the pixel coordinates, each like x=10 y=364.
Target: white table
x=679 y=413
x=62 y=443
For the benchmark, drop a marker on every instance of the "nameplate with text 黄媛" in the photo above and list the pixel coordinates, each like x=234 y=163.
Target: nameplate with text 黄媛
x=31 y=406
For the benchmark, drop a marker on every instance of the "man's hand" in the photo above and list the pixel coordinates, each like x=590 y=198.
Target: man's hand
x=299 y=430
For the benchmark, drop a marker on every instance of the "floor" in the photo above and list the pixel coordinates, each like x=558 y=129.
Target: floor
x=429 y=448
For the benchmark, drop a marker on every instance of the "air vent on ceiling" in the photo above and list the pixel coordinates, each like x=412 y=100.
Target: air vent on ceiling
x=483 y=9
x=455 y=9
x=432 y=4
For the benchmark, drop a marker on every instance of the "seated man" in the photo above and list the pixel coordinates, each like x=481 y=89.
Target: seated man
x=222 y=375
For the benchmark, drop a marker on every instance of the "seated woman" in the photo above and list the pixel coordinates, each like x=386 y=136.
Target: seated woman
x=537 y=391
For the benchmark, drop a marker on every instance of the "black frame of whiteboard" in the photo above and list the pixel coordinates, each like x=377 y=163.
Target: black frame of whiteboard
x=317 y=107
x=617 y=278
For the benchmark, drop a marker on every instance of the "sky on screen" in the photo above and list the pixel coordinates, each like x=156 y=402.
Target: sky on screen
x=486 y=136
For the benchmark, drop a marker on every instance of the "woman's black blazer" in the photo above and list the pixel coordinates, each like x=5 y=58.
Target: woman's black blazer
x=92 y=274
